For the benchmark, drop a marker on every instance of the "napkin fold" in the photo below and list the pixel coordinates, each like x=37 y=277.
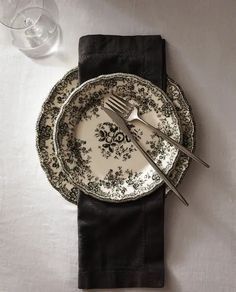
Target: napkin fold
x=121 y=245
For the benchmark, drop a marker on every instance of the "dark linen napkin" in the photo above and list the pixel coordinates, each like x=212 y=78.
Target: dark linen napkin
x=121 y=245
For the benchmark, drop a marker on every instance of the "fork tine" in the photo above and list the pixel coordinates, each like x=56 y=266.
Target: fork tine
x=123 y=101
x=117 y=104
x=114 y=106
x=110 y=106
x=117 y=100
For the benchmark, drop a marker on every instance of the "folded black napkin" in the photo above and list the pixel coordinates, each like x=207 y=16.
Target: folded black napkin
x=122 y=244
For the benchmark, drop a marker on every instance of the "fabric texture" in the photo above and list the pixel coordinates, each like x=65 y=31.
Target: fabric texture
x=121 y=245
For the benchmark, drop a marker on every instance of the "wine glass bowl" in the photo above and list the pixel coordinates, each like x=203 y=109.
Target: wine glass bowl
x=34 y=29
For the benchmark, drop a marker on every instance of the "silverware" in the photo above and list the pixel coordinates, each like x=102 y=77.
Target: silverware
x=130 y=113
x=112 y=113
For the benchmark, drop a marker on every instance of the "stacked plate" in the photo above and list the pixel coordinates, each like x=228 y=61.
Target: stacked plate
x=81 y=148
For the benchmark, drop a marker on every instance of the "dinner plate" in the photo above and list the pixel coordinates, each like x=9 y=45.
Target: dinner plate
x=98 y=157
x=49 y=112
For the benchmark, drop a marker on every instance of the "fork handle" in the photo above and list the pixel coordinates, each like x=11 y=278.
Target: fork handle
x=172 y=141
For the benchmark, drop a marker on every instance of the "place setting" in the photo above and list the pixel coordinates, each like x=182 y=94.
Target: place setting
x=109 y=178
x=115 y=136
x=72 y=164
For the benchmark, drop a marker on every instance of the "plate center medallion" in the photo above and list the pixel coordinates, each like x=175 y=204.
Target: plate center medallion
x=114 y=143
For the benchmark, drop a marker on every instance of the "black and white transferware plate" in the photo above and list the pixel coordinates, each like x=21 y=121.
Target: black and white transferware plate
x=45 y=125
x=98 y=157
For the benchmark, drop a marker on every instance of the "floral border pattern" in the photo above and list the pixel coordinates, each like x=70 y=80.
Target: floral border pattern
x=49 y=112
x=85 y=103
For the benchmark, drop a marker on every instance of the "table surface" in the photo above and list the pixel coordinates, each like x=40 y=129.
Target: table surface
x=38 y=228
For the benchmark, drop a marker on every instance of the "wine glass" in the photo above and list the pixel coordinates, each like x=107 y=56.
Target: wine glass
x=32 y=24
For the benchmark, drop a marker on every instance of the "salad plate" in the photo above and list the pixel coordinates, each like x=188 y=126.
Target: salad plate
x=97 y=156
x=46 y=122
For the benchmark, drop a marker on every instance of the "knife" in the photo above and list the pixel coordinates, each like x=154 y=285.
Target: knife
x=123 y=126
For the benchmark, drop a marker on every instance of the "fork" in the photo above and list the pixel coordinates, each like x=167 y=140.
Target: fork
x=130 y=113
x=113 y=114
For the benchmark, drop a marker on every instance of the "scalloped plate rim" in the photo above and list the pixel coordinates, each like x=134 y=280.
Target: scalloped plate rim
x=67 y=101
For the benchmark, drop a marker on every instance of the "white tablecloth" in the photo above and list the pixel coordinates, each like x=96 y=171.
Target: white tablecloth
x=38 y=228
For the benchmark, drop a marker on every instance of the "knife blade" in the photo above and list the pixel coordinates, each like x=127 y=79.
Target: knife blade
x=123 y=126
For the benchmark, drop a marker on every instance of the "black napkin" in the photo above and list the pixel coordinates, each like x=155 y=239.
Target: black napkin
x=121 y=245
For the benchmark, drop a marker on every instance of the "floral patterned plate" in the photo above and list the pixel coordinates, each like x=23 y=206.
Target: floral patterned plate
x=46 y=121
x=94 y=152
